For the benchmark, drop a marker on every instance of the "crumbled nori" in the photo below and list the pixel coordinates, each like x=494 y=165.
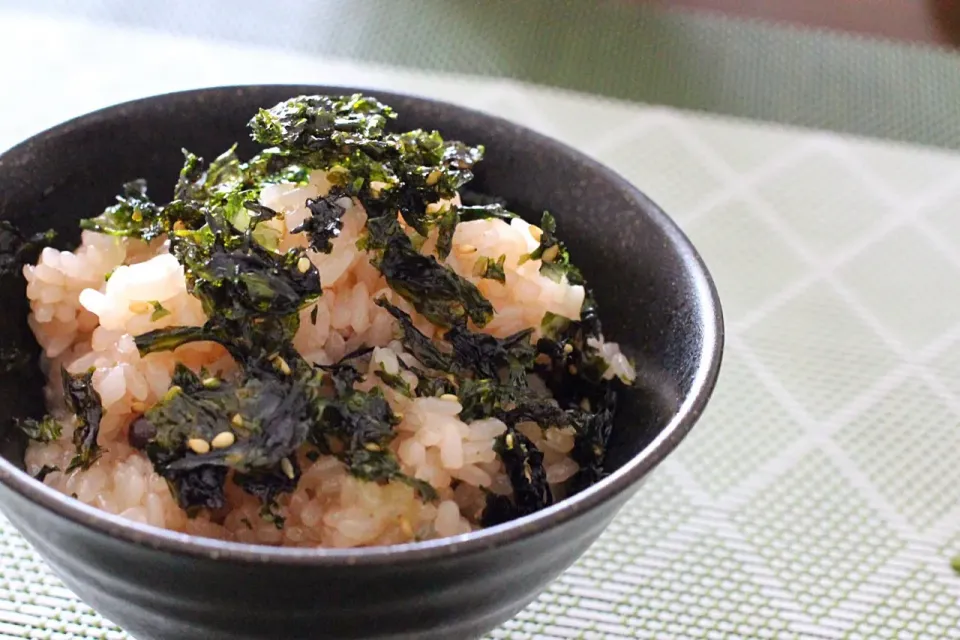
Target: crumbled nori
x=422 y=347
x=159 y=311
x=573 y=371
x=447 y=222
x=435 y=290
x=134 y=215
x=46 y=429
x=16 y=249
x=269 y=413
x=524 y=465
x=555 y=258
x=83 y=401
x=482 y=398
x=388 y=173
x=491 y=269
x=490 y=379
x=395 y=381
x=199 y=488
x=483 y=355
x=274 y=420
x=198 y=185
x=324 y=223
x=358 y=426
x=269 y=484
x=45 y=470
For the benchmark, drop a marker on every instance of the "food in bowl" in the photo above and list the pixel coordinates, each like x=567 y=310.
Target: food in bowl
x=332 y=343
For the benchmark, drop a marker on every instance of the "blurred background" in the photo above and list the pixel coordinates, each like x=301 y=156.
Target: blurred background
x=810 y=150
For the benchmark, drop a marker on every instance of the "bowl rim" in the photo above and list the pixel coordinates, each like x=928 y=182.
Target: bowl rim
x=617 y=483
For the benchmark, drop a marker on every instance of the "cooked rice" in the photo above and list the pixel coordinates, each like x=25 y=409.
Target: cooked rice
x=84 y=319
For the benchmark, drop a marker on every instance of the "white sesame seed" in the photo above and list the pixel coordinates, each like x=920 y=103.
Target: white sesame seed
x=287 y=467
x=551 y=254
x=449 y=397
x=303 y=264
x=198 y=445
x=237 y=420
x=223 y=440
x=282 y=365
x=568 y=348
x=405 y=528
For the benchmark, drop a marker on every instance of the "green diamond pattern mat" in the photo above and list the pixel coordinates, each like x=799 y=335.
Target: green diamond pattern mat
x=818 y=496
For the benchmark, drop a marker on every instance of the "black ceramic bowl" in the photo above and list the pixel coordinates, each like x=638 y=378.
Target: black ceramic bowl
x=656 y=298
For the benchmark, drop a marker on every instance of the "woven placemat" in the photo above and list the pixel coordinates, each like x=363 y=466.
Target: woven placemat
x=624 y=49
x=817 y=497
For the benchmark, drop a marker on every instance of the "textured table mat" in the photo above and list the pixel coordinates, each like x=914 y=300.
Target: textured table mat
x=818 y=496
x=625 y=49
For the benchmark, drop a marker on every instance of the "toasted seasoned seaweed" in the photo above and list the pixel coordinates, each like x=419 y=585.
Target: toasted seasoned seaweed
x=16 y=249
x=159 y=311
x=267 y=415
x=447 y=221
x=389 y=173
x=46 y=429
x=395 y=381
x=479 y=207
x=268 y=418
x=435 y=290
x=422 y=347
x=491 y=380
x=324 y=223
x=491 y=269
x=199 y=184
x=484 y=355
x=234 y=284
x=357 y=427
x=593 y=432
x=481 y=398
x=524 y=465
x=359 y=424
x=269 y=484
x=45 y=470
x=553 y=253
x=83 y=401
x=573 y=371
x=323 y=125
x=198 y=488
x=134 y=215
